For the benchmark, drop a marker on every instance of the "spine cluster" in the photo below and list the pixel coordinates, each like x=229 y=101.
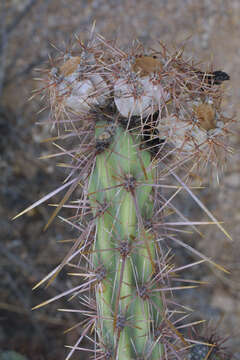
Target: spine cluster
x=130 y=124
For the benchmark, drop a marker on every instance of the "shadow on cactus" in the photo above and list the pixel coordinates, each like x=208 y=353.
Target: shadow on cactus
x=131 y=125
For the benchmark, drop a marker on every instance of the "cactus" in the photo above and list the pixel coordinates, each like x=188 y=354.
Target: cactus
x=133 y=124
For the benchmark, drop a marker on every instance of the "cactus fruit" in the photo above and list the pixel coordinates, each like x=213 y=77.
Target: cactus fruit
x=133 y=123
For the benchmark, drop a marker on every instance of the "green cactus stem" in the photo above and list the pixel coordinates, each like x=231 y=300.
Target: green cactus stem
x=120 y=182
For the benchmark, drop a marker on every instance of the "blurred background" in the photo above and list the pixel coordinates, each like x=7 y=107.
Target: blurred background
x=28 y=28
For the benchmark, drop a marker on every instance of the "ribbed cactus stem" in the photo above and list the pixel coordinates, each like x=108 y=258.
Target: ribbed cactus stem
x=133 y=123
x=121 y=185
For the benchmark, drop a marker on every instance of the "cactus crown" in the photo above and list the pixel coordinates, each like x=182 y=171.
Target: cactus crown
x=134 y=124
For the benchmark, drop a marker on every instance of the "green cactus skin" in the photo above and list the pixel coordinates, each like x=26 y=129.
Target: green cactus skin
x=122 y=246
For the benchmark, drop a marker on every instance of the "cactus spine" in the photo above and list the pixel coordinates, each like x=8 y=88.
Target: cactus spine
x=121 y=182
x=137 y=119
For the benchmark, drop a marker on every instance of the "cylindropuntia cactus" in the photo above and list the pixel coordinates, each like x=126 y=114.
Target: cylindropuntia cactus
x=132 y=121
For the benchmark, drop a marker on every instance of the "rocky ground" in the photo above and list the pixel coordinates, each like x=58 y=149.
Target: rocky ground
x=27 y=31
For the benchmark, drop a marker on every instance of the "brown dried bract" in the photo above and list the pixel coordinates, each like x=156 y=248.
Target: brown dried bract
x=206 y=116
x=70 y=65
x=146 y=65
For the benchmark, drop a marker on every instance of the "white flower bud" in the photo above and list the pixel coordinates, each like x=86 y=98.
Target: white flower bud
x=80 y=95
x=140 y=98
x=184 y=136
x=79 y=99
